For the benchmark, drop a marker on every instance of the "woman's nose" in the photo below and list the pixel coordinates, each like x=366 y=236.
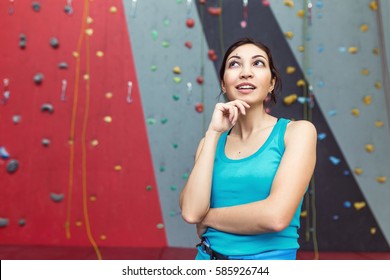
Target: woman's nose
x=246 y=73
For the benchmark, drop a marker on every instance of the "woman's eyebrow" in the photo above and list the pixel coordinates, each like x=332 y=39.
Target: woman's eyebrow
x=253 y=57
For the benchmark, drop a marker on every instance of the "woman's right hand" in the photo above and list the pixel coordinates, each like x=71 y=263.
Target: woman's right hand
x=225 y=115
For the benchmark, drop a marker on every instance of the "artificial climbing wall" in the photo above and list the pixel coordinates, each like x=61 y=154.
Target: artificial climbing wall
x=113 y=97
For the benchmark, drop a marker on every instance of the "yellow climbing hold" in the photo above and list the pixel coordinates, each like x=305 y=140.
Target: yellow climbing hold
x=373 y=230
x=301 y=13
x=289 y=34
x=113 y=9
x=118 y=168
x=352 y=50
x=289 y=3
x=108 y=119
x=290 y=99
x=363 y=27
x=79 y=223
x=375 y=51
x=290 y=69
x=109 y=95
x=355 y=112
x=358 y=171
x=378 y=85
x=103 y=237
x=75 y=54
x=365 y=72
x=89 y=31
x=301 y=83
x=99 y=54
x=373 y=5
x=359 y=205
x=176 y=70
x=381 y=179
x=89 y=20
x=379 y=123
x=367 y=99
x=369 y=148
x=86 y=77
x=92 y=198
x=303 y=214
x=94 y=143
x=160 y=226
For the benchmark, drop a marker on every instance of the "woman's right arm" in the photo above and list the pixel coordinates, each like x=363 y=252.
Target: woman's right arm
x=195 y=197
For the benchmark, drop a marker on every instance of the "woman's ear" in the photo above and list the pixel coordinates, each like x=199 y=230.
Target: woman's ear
x=223 y=86
x=272 y=85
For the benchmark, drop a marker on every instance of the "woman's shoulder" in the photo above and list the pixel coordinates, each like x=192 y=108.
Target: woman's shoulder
x=300 y=129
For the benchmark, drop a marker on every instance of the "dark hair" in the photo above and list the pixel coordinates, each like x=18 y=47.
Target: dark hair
x=274 y=71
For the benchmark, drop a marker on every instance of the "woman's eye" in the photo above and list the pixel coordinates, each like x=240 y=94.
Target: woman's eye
x=259 y=63
x=233 y=64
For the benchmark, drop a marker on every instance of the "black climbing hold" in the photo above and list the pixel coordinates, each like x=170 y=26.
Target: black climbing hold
x=46 y=142
x=22 y=222
x=4 y=222
x=12 y=166
x=36 y=6
x=57 y=197
x=38 y=78
x=47 y=108
x=63 y=65
x=54 y=43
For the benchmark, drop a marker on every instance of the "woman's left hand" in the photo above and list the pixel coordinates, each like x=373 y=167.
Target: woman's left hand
x=201 y=229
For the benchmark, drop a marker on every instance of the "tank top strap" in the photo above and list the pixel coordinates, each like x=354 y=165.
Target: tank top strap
x=282 y=131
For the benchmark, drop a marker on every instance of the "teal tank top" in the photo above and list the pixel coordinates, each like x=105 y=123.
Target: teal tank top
x=248 y=180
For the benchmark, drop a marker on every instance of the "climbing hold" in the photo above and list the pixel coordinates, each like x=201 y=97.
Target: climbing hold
x=199 y=107
x=321 y=136
x=176 y=70
x=334 y=160
x=3 y=153
x=160 y=226
x=199 y=80
x=185 y=176
x=355 y=112
x=290 y=99
x=335 y=217
x=75 y=54
x=89 y=20
x=212 y=55
x=148 y=188
x=54 y=43
x=47 y=108
x=365 y=72
x=68 y=9
x=289 y=34
x=214 y=11
x=375 y=51
x=301 y=83
x=190 y=22
x=301 y=13
x=165 y=44
x=164 y=120
x=153 y=67
x=22 y=41
x=99 y=54
x=177 y=80
x=188 y=44
x=332 y=112
x=36 y=6
x=379 y=123
x=359 y=205
x=289 y=3
x=113 y=9
x=150 y=121
x=358 y=171
x=175 y=145
x=301 y=48
x=38 y=78
x=290 y=70
x=373 y=5
x=303 y=214
x=265 y=3
x=94 y=143
x=363 y=27
x=342 y=49
x=378 y=85
x=173 y=188
x=154 y=34
x=63 y=65
x=92 y=198
x=352 y=50
x=108 y=119
x=89 y=31
x=45 y=142
x=369 y=148
x=347 y=204
x=12 y=166
x=78 y=223
x=381 y=179
x=162 y=168
x=4 y=222
x=109 y=95
x=373 y=230
x=367 y=99
x=57 y=197
x=22 y=222
x=117 y=168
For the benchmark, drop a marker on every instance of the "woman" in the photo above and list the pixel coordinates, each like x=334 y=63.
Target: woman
x=251 y=169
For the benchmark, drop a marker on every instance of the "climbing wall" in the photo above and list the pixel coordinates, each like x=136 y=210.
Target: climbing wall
x=75 y=163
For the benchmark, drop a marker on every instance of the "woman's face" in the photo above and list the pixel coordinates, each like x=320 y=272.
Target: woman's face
x=247 y=75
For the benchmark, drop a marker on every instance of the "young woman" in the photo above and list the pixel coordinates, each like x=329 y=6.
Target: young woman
x=251 y=169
